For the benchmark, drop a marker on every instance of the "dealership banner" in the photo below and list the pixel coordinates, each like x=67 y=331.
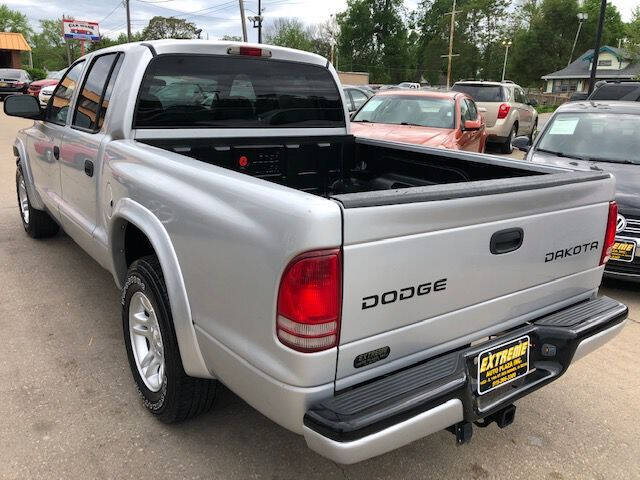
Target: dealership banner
x=80 y=30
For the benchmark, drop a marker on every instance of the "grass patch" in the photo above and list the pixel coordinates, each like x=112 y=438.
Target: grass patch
x=546 y=108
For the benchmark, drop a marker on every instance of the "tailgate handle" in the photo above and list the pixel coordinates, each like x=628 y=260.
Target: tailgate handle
x=506 y=241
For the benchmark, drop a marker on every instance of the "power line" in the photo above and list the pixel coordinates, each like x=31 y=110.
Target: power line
x=111 y=12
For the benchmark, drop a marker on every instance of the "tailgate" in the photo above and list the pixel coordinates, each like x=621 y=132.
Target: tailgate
x=424 y=276
x=491 y=115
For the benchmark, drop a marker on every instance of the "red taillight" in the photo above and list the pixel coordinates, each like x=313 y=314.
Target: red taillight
x=249 y=51
x=610 y=234
x=503 y=110
x=309 y=301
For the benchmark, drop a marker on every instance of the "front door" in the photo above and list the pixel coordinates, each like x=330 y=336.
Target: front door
x=44 y=145
x=471 y=139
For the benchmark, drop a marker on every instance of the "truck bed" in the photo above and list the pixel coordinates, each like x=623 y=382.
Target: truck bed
x=339 y=165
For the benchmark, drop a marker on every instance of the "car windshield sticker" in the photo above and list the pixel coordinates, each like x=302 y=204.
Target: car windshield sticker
x=564 y=126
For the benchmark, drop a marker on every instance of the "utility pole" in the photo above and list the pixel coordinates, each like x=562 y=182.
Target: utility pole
x=244 y=25
x=581 y=18
x=126 y=4
x=259 y=21
x=451 y=55
x=596 y=50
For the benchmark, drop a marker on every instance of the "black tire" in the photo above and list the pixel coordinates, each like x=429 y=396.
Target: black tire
x=507 y=146
x=533 y=130
x=180 y=397
x=38 y=223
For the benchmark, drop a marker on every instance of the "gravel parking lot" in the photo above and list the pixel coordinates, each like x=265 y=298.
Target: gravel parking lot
x=69 y=409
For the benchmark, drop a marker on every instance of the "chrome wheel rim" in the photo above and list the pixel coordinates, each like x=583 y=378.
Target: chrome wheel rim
x=24 y=200
x=146 y=341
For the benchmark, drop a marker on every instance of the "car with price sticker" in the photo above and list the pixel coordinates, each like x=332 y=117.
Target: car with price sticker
x=600 y=136
x=362 y=293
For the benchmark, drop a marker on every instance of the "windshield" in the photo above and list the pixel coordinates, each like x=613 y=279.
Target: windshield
x=237 y=92
x=56 y=75
x=408 y=110
x=481 y=93
x=10 y=74
x=617 y=91
x=594 y=136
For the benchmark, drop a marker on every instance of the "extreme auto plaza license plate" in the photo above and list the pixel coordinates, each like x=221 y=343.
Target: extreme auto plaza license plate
x=503 y=364
x=623 y=250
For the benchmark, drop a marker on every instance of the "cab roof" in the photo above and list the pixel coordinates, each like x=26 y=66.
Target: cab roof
x=601 y=106
x=216 y=47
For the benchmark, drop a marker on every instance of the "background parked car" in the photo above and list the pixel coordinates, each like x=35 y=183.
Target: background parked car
x=628 y=90
x=413 y=85
x=356 y=96
x=52 y=79
x=509 y=112
x=600 y=136
x=12 y=81
x=436 y=119
x=45 y=94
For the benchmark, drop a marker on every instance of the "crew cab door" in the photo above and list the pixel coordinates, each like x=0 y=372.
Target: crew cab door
x=80 y=152
x=45 y=143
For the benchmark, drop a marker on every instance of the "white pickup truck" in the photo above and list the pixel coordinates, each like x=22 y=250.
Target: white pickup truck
x=363 y=294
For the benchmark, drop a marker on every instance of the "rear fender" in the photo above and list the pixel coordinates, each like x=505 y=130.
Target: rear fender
x=127 y=210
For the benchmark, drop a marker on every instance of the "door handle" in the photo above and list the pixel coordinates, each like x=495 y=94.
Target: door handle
x=506 y=241
x=56 y=152
x=88 y=168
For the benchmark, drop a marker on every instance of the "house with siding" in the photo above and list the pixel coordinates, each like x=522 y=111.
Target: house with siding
x=613 y=63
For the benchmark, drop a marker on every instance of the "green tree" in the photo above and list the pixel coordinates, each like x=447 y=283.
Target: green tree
x=289 y=32
x=632 y=32
x=543 y=40
x=613 y=32
x=49 y=49
x=110 y=42
x=14 y=21
x=168 y=27
x=374 y=38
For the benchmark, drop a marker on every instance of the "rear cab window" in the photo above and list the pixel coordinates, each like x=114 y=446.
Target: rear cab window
x=95 y=94
x=213 y=91
x=482 y=93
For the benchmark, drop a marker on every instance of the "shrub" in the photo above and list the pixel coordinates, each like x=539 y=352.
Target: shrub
x=37 y=73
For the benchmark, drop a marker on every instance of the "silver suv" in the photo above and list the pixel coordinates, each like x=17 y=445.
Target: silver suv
x=509 y=112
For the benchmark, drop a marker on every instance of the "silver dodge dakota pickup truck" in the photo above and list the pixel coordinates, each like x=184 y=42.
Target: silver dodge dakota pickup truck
x=361 y=293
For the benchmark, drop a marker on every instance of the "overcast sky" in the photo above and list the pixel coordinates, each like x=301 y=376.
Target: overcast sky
x=215 y=17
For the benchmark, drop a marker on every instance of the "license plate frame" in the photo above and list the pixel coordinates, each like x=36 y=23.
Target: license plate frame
x=627 y=256
x=503 y=364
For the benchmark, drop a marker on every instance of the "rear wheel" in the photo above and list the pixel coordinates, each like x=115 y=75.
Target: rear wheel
x=507 y=146
x=37 y=223
x=152 y=348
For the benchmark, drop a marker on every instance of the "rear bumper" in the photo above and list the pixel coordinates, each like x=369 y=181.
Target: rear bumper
x=402 y=407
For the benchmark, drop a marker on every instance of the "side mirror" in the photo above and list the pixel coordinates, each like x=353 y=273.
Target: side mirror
x=25 y=106
x=352 y=114
x=522 y=143
x=533 y=102
x=471 y=125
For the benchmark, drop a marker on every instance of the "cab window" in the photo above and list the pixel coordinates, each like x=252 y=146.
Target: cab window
x=61 y=99
x=92 y=101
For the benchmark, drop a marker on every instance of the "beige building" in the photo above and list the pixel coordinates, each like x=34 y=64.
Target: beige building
x=354 y=78
x=613 y=63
